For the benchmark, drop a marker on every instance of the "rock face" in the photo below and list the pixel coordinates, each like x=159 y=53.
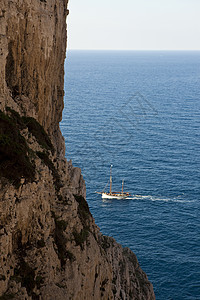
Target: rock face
x=32 y=52
x=50 y=246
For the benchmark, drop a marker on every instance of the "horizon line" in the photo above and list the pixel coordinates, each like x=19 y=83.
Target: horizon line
x=68 y=49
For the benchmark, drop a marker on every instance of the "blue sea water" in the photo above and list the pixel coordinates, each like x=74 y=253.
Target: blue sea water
x=140 y=112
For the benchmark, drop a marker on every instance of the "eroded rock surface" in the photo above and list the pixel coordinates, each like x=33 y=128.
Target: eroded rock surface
x=50 y=246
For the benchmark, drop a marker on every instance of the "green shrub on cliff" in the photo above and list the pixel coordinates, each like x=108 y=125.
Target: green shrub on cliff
x=15 y=162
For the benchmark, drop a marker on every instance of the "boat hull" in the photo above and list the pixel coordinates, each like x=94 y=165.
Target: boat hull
x=110 y=196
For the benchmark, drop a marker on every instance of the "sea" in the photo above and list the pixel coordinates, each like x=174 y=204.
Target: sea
x=140 y=112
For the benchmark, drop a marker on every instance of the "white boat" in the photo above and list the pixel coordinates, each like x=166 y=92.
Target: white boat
x=114 y=195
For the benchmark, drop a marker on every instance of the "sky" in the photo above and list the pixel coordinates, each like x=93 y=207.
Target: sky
x=134 y=24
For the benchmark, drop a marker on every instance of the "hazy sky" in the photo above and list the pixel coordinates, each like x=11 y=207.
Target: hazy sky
x=134 y=24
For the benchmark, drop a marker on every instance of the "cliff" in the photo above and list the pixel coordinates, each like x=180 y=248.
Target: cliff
x=50 y=245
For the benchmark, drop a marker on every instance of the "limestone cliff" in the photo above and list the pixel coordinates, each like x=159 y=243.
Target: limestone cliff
x=50 y=246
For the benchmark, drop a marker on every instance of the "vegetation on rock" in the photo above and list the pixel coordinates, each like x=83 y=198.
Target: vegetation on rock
x=15 y=155
x=15 y=161
x=81 y=237
x=46 y=160
x=38 y=131
x=83 y=211
x=60 y=240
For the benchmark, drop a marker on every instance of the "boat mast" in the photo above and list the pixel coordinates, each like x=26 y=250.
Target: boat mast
x=122 y=186
x=110 y=179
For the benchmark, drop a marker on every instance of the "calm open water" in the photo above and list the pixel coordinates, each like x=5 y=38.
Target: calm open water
x=140 y=111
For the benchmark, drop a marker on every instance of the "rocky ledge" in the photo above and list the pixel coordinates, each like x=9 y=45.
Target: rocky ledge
x=50 y=246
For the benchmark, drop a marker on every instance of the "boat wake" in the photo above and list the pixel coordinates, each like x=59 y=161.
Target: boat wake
x=163 y=199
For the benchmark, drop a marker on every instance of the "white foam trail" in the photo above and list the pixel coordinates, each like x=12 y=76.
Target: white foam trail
x=163 y=199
